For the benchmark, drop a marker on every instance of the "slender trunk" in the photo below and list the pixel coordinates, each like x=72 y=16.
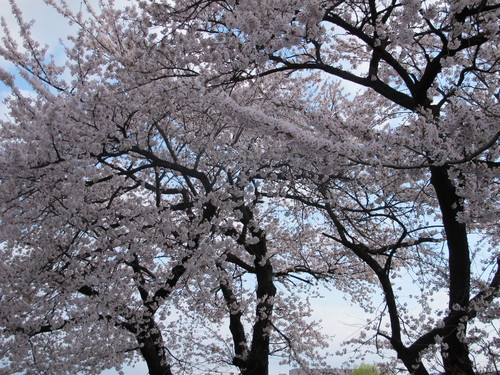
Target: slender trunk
x=456 y=358
x=235 y=326
x=409 y=357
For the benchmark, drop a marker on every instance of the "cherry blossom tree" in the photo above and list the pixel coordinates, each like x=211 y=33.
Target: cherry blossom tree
x=192 y=158
x=133 y=217
x=424 y=123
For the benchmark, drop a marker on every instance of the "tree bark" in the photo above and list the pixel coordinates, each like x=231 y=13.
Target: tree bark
x=153 y=351
x=258 y=358
x=456 y=357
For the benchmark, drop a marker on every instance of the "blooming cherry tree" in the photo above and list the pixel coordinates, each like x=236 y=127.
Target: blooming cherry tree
x=134 y=218
x=192 y=160
x=427 y=128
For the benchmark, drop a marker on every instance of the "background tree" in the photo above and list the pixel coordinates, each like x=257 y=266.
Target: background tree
x=365 y=369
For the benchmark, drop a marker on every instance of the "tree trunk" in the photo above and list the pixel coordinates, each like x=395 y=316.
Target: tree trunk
x=258 y=359
x=153 y=352
x=456 y=357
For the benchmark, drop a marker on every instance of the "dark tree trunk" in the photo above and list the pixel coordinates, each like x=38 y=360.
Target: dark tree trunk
x=258 y=358
x=153 y=351
x=456 y=358
x=409 y=357
x=235 y=326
